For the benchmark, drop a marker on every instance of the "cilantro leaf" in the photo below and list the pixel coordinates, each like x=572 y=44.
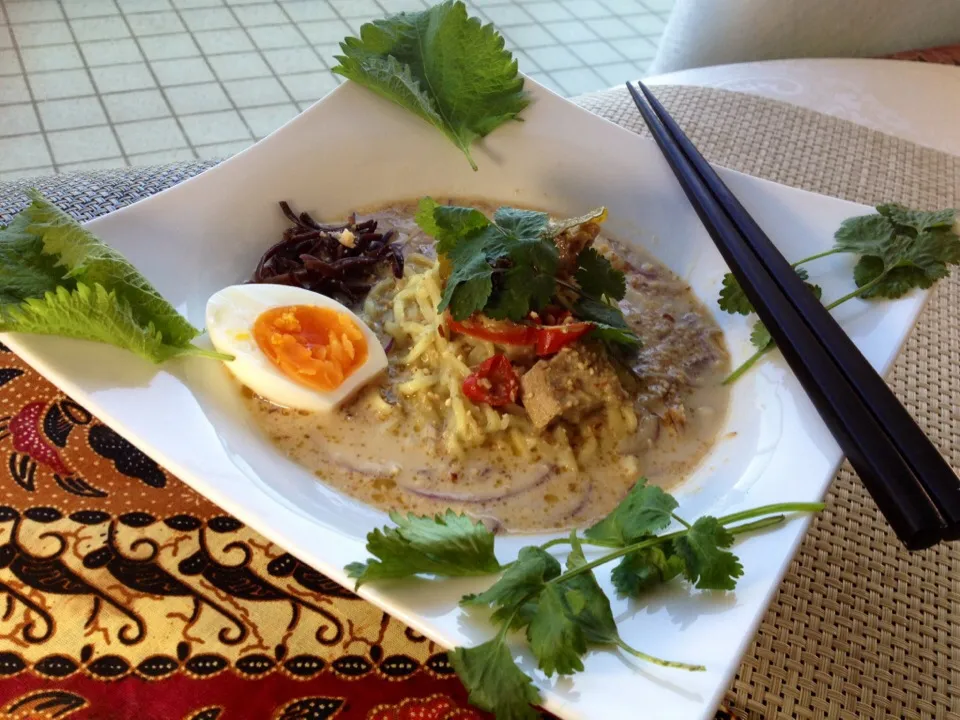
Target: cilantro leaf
x=610 y=326
x=587 y=601
x=732 y=298
x=760 y=337
x=515 y=593
x=503 y=268
x=556 y=638
x=471 y=282
x=494 y=681
x=895 y=283
x=734 y=301
x=864 y=235
x=529 y=283
x=91 y=261
x=597 y=277
x=449 y=545
x=908 y=262
x=812 y=287
x=528 y=226
x=90 y=313
x=706 y=562
x=507 y=267
x=520 y=292
x=641 y=570
x=917 y=220
x=446 y=67
x=569 y=615
x=644 y=511
x=448 y=223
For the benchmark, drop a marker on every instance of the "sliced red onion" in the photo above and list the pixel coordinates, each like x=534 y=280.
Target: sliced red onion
x=483 y=497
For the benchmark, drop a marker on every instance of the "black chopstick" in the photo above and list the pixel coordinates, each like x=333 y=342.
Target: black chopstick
x=895 y=488
x=928 y=465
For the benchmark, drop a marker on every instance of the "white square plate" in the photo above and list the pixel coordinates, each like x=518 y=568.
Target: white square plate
x=354 y=149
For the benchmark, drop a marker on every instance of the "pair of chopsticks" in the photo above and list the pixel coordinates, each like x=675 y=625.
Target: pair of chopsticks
x=914 y=487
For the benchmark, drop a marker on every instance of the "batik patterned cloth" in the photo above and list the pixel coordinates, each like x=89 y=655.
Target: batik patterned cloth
x=126 y=595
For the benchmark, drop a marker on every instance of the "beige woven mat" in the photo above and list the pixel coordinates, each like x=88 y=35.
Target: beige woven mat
x=860 y=628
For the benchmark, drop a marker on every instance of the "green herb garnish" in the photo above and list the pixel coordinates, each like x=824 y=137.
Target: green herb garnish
x=563 y=612
x=56 y=278
x=507 y=267
x=447 y=544
x=899 y=250
x=442 y=65
x=734 y=301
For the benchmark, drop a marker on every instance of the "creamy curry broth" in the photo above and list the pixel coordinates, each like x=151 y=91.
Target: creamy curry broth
x=397 y=462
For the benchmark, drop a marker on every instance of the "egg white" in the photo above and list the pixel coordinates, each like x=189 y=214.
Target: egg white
x=231 y=315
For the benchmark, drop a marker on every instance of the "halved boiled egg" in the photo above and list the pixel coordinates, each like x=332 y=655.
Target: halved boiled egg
x=292 y=346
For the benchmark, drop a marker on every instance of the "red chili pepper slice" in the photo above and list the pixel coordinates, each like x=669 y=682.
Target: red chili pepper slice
x=548 y=339
x=497 y=331
x=551 y=339
x=494 y=382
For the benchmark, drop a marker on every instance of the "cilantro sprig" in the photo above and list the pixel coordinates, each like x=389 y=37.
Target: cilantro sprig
x=56 y=278
x=561 y=609
x=899 y=249
x=508 y=266
x=446 y=67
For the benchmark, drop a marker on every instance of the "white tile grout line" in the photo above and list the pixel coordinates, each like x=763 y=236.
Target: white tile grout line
x=216 y=79
x=26 y=81
x=296 y=25
x=122 y=123
x=160 y=88
x=103 y=106
x=259 y=52
x=263 y=57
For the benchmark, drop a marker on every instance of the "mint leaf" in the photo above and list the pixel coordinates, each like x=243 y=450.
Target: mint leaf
x=89 y=260
x=90 y=313
x=760 y=337
x=494 y=681
x=515 y=593
x=555 y=637
x=447 y=68
x=706 y=563
x=597 y=277
x=917 y=220
x=645 y=511
x=644 y=569
x=449 y=545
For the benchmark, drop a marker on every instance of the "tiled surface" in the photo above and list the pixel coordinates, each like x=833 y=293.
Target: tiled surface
x=104 y=83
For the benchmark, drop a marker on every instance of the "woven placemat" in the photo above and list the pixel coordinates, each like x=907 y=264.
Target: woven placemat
x=860 y=627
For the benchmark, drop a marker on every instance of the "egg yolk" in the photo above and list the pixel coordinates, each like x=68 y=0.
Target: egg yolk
x=315 y=346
